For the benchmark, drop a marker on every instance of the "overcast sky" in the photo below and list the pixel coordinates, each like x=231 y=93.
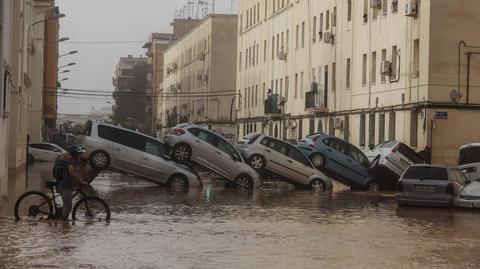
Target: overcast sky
x=109 y=20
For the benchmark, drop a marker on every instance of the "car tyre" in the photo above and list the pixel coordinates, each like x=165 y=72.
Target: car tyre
x=374 y=186
x=318 y=160
x=257 y=162
x=181 y=153
x=243 y=182
x=99 y=160
x=318 y=185
x=178 y=182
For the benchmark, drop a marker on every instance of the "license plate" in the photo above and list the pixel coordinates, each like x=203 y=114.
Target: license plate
x=425 y=188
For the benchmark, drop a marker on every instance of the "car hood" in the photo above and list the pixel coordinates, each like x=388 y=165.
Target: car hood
x=471 y=190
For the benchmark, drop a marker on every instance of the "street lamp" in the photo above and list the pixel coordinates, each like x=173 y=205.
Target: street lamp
x=56 y=16
x=69 y=53
x=64 y=79
x=64 y=71
x=70 y=64
x=63 y=39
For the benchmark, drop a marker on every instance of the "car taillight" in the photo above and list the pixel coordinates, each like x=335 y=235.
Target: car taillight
x=251 y=141
x=450 y=188
x=399 y=186
x=178 y=131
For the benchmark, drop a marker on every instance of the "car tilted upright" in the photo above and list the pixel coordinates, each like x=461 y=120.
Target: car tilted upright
x=113 y=147
x=190 y=142
x=282 y=159
x=342 y=161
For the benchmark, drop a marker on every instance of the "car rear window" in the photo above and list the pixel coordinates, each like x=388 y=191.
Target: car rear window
x=425 y=172
x=410 y=154
x=469 y=155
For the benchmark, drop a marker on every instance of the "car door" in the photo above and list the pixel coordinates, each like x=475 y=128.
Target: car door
x=226 y=159
x=299 y=168
x=204 y=147
x=155 y=166
x=128 y=150
x=357 y=165
x=274 y=153
x=334 y=152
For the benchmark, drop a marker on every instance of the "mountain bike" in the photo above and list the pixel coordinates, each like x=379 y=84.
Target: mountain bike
x=36 y=205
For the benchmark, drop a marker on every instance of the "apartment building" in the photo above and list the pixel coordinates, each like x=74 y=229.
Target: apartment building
x=200 y=72
x=366 y=71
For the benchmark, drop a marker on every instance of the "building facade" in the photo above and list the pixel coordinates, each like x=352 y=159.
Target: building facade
x=366 y=71
x=200 y=73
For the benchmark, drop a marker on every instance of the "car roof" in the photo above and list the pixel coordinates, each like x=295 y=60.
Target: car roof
x=470 y=145
x=125 y=129
x=433 y=166
x=44 y=143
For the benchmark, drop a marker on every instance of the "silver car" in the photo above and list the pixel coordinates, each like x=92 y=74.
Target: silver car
x=119 y=149
x=265 y=153
x=429 y=185
x=190 y=142
x=47 y=152
x=469 y=161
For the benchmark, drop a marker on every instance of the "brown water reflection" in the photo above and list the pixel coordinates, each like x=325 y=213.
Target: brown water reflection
x=217 y=228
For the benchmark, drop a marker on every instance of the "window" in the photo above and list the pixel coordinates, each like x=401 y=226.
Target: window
x=155 y=148
x=302 y=85
x=334 y=17
x=297 y=155
x=334 y=78
x=207 y=137
x=256 y=95
x=410 y=153
x=273 y=48
x=373 y=75
x=320 y=33
x=266 y=9
x=413 y=128
x=381 y=128
x=384 y=7
x=296 y=85
x=227 y=148
x=327 y=20
x=364 y=70
x=336 y=144
x=314 y=34
x=275 y=145
x=297 y=29
x=362 y=130
x=346 y=128
x=287 y=85
x=384 y=58
x=391 y=126
x=425 y=172
x=303 y=34
x=240 y=61
x=265 y=50
x=258 y=52
x=356 y=155
x=348 y=75
x=394 y=6
x=394 y=63
x=126 y=138
x=349 y=10
x=469 y=155
x=371 y=130
x=365 y=11
x=416 y=57
x=331 y=126
x=286 y=41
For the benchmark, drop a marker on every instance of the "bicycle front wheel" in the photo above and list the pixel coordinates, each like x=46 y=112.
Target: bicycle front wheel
x=33 y=205
x=91 y=209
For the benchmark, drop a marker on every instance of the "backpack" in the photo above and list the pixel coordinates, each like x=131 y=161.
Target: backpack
x=58 y=170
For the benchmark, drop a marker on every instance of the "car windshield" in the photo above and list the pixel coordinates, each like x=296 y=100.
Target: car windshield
x=425 y=172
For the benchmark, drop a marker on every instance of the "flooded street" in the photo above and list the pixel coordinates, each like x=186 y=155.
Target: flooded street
x=152 y=227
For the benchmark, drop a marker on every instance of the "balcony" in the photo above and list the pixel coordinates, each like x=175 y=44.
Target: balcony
x=314 y=102
x=272 y=105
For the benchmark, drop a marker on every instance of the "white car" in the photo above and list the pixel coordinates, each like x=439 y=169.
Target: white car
x=469 y=196
x=112 y=147
x=46 y=152
x=469 y=161
x=395 y=156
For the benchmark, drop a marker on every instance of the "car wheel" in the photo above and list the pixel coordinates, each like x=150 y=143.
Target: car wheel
x=257 y=162
x=374 y=186
x=178 y=182
x=244 y=182
x=30 y=159
x=99 y=159
x=318 y=160
x=318 y=185
x=181 y=153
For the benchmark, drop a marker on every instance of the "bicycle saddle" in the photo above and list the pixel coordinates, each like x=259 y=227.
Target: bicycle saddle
x=51 y=184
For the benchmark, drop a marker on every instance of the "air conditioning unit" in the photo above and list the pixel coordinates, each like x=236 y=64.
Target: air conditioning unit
x=199 y=76
x=314 y=87
x=282 y=56
x=376 y=4
x=411 y=8
x=337 y=123
x=328 y=37
x=386 y=68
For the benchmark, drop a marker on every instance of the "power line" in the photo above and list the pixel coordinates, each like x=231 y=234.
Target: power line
x=106 y=42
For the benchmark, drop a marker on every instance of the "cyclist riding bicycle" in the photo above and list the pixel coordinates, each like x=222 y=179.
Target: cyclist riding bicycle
x=70 y=178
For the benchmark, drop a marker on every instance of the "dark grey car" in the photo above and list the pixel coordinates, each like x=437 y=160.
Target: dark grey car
x=429 y=185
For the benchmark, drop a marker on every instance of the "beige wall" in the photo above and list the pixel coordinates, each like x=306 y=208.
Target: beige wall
x=435 y=29
x=203 y=82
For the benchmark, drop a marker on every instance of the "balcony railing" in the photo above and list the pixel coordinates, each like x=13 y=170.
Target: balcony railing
x=272 y=105
x=314 y=101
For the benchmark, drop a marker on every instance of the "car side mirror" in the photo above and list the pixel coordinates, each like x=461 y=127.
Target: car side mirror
x=371 y=146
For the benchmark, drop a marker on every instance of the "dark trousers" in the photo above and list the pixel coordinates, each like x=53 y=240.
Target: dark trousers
x=67 y=198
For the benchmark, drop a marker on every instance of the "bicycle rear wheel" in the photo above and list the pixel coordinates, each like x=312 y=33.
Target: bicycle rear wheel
x=33 y=205
x=91 y=209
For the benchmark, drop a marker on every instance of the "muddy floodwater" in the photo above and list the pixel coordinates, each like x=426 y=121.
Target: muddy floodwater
x=152 y=227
